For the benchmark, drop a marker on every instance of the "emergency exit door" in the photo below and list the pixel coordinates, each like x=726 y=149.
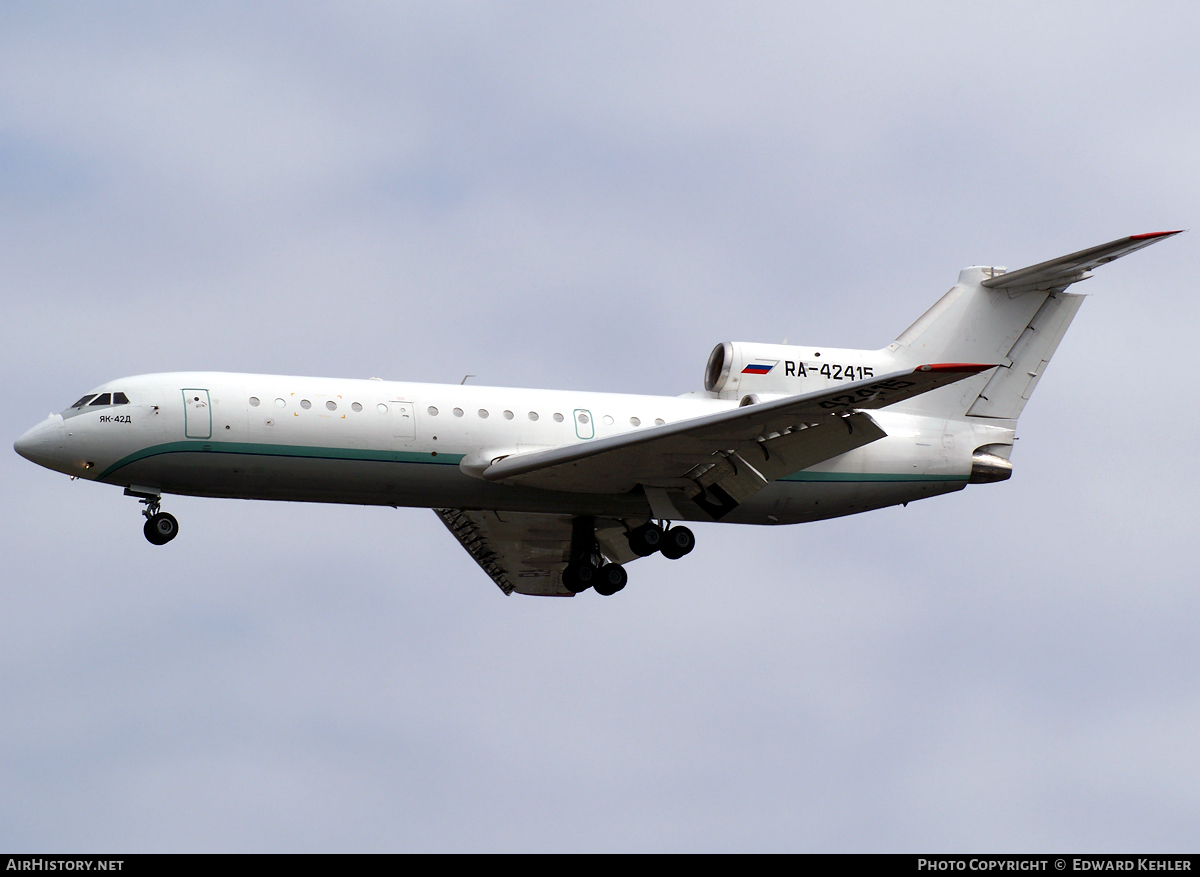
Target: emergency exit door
x=404 y=423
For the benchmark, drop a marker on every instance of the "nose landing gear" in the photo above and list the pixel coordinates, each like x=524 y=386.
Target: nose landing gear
x=160 y=527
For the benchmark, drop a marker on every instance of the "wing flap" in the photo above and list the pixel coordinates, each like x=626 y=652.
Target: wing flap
x=785 y=454
x=739 y=475
x=1062 y=272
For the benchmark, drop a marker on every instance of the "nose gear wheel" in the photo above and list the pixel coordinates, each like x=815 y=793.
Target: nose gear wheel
x=161 y=528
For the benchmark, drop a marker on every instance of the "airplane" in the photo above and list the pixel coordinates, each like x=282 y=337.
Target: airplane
x=552 y=492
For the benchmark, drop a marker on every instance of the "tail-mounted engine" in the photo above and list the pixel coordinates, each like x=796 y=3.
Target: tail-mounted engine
x=736 y=369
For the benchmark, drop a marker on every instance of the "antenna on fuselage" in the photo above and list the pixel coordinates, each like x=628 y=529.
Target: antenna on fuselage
x=464 y=380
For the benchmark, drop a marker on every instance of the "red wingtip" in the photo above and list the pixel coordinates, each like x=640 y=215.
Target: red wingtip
x=1153 y=234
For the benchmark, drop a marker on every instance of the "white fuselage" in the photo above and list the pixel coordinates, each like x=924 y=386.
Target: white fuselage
x=401 y=444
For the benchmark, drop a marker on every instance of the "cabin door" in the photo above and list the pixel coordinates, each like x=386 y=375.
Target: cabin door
x=197 y=414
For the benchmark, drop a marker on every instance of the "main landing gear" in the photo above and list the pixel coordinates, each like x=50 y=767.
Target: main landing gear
x=160 y=527
x=606 y=578
x=588 y=568
x=674 y=543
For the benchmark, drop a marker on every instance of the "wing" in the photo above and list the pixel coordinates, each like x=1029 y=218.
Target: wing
x=1062 y=272
x=527 y=553
x=722 y=459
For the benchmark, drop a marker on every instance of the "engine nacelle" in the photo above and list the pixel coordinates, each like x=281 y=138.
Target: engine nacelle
x=737 y=369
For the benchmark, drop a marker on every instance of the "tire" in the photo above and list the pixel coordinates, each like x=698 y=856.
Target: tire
x=677 y=542
x=645 y=540
x=611 y=578
x=161 y=528
x=577 y=578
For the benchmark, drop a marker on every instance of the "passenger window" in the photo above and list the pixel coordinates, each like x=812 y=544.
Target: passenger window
x=458 y=412
x=635 y=421
x=432 y=411
x=120 y=399
x=508 y=415
x=483 y=412
x=331 y=405
x=305 y=404
x=355 y=406
x=558 y=418
x=279 y=403
x=533 y=415
x=608 y=421
x=254 y=402
x=658 y=421
x=103 y=399
x=84 y=400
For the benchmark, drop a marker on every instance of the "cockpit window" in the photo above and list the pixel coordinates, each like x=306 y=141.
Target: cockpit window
x=120 y=399
x=102 y=399
x=84 y=400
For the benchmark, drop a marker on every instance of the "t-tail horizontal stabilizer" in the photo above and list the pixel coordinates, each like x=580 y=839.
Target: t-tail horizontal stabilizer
x=1062 y=272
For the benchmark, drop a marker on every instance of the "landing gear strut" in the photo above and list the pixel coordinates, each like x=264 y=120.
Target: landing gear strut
x=160 y=527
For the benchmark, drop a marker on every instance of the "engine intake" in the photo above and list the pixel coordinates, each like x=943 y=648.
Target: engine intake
x=720 y=362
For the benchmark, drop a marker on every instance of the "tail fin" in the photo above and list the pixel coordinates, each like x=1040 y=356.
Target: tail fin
x=1013 y=318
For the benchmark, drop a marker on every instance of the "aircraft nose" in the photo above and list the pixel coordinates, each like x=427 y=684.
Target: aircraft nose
x=43 y=443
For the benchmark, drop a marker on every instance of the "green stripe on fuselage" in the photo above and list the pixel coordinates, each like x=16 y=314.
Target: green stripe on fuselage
x=300 y=451
x=255 y=449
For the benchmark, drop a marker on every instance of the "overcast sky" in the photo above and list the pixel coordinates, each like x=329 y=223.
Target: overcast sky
x=591 y=196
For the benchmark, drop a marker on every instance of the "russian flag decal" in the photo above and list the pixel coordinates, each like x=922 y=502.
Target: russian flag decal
x=760 y=367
